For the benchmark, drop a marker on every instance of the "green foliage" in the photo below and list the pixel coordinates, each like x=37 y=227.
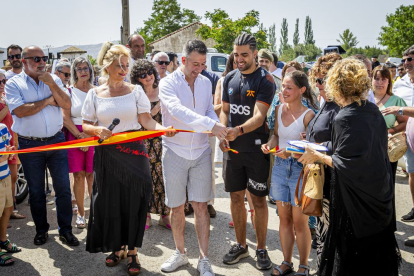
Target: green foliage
x=284 y=37
x=288 y=54
x=347 y=40
x=166 y=17
x=272 y=38
x=91 y=59
x=367 y=51
x=398 y=35
x=310 y=51
x=225 y=30
x=308 y=31
x=296 y=33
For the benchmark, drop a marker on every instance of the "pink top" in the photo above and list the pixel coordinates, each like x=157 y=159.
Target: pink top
x=410 y=133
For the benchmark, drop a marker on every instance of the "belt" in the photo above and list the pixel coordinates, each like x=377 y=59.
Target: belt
x=39 y=138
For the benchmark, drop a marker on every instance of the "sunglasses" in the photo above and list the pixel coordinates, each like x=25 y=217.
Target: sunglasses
x=401 y=69
x=17 y=56
x=407 y=59
x=149 y=73
x=163 y=62
x=320 y=81
x=67 y=75
x=3 y=81
x=38 y=59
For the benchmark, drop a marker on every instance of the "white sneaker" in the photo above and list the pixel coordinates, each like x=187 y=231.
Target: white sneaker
x=175 y=261
x=80 y=222
x=204 y=267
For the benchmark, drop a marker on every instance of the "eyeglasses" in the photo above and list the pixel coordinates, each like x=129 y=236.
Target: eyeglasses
x=84 y=69
x=320 y=81
x=163 y=62
x=149 y=73
x=407 y=59
x=400 y=69
x=67 y=75
x=3 y=81
x=38 y=59
x=17 y=56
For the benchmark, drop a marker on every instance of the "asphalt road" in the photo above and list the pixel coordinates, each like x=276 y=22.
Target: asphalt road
x=54 y=258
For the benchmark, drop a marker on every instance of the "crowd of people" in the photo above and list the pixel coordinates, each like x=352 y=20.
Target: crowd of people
x=349 y=105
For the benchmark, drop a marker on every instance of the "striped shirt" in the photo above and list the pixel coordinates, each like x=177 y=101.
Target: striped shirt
x=5 y=135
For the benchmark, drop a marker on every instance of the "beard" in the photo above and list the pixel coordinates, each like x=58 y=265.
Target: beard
x=16 y=64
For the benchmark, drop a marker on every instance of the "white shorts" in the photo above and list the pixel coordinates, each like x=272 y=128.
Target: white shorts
x=180 y=173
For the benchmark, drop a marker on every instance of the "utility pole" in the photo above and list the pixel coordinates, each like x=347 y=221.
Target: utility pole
x=125 y=22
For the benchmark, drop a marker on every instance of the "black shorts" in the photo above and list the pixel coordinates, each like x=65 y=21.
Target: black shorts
x=246 y=170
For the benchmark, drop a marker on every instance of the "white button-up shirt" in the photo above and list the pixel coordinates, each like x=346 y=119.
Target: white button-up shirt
x=404 y=89
x=182 y=109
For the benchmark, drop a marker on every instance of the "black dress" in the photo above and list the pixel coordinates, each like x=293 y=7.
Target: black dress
x=121 y=190
x=360 y=239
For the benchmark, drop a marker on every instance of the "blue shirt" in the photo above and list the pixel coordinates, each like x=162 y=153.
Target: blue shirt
x=22 y=89
x=213 y=78
x=5 y=135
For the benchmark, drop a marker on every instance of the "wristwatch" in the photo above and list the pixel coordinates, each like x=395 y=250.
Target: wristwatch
x=400 y=111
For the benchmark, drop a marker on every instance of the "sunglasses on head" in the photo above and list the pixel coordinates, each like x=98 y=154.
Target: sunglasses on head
x=3 y=81
x=407 y=59
x=320 y=81
x=38 y=59
x=67 y=75
x=149 y=73
x=17 y=56
x=163 y=62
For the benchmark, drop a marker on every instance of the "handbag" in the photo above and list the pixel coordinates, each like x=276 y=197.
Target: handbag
x=397 y=146
x=311 y=194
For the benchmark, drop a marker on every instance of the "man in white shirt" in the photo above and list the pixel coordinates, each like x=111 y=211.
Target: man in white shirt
x=14 y=55
x=186 y=103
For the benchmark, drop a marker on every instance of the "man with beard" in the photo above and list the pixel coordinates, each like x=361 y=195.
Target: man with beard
x=174 y=62
x=35 y=99
x=14 y=55
x=247 y=95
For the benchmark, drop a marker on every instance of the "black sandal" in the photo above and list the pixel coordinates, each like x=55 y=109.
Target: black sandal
x=115 y=259
x=133 y=265
x=4 y=258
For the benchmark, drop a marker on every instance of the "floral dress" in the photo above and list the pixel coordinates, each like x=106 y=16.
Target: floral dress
x=154 y=149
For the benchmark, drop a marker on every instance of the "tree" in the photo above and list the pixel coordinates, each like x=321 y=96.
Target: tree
x=296 y=33
x=347 y=40
x=283 y=37
x=367 y=51
x=166 y=17
x=272 y=38
x=398 y=35
x=225 y=30
x=308 y=31
x=91 y=60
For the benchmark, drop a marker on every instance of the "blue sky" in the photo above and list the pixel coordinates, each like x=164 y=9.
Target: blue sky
x=75 y=22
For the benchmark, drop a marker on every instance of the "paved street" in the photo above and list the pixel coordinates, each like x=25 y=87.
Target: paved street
x=54 y=258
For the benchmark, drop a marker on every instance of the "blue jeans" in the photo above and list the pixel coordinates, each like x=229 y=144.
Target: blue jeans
x=34 y=166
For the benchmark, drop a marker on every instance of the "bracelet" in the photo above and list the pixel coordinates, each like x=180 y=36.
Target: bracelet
x=240 y=130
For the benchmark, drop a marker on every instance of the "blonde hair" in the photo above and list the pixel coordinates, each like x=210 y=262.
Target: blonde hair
x=108 y=53
x=348 y=79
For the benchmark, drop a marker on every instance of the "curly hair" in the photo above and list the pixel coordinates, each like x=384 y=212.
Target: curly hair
x=322 y=66
x=140 y=67
x=291 y=64
x=348 y=79
x=385 y=73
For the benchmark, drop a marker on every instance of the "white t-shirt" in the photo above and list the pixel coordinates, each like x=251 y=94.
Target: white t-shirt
x=404 y=89
x=278 y=73
x=126 y=108
x=78 y=98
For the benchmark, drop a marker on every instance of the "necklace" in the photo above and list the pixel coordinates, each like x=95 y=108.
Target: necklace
x=381 y=99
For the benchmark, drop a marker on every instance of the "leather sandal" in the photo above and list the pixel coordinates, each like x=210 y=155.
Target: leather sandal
x=133 y=265
x=306 y=273
x=4 y=258
x=5 y=245
x=281 y=272
x=115 y=259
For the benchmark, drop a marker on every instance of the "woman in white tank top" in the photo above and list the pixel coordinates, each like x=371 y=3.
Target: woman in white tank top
x=292 y=118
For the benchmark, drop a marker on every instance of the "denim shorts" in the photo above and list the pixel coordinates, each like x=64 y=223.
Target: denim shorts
x=409 y=160
x=285 y=175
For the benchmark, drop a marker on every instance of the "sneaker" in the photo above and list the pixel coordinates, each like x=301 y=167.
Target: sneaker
x=236 y=252
x=409 y=216
x=263 y=261
x=49 y=201
x=409 y=243
x=80 y=222
x=175 y=261
x=204 y=267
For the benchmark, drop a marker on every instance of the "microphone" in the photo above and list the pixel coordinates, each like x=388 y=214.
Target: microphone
x=115 y=122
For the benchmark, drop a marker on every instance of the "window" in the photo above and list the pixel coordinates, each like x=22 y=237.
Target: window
x=218 y=64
